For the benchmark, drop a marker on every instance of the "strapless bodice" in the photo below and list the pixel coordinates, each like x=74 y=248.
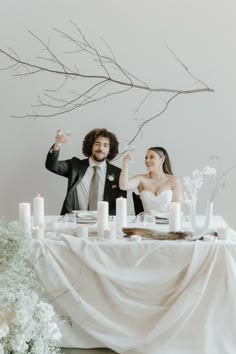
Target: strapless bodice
x=158 y=202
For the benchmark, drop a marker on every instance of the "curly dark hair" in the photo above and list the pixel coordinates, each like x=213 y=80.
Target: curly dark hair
x=90 y=138
x=162 y=152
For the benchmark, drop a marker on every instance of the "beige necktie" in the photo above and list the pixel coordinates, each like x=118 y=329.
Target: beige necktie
x=93 y=193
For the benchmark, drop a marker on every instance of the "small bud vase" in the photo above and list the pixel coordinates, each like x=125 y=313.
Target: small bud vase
x=207 y=221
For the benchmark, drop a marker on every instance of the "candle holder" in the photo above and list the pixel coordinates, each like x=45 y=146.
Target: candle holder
x=110 y=233
x=223 y=233
x=82 y=230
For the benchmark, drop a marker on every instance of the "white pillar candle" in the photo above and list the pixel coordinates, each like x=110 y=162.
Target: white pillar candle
x=25 y=215
x=38 y=211
x=82 y=230
x=102 y=217
x=121 y=214
x=223 y=232
x=174 y=217
x=110 y=233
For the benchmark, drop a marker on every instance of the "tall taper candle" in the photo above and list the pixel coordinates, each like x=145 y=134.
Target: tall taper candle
x=102 y=217
x=121 y=214
x=39 y=211
x=25 y=215
x=174 y=217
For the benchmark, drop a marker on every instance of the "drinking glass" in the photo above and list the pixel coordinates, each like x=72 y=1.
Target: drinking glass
x=65 y=133
x=130 y=148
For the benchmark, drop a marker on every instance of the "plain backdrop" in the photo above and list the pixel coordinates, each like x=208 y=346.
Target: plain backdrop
x=193 y=128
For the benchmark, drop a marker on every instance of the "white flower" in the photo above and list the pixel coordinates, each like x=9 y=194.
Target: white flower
x=44 y=311
x=57 y=336
x=208 y=170
x=54 y=332
x=195 y=182
x=21 y=318
x=5 y=314
x=111 y=178
x=4 y=330
x=27 y=325
x=18 y=343
x=1 y=349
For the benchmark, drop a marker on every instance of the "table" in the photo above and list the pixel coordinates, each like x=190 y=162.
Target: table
x=152 y=297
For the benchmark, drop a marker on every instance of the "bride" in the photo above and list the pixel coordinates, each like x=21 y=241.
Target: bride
x=158 y=187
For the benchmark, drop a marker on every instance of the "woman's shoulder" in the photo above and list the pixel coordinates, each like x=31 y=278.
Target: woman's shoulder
x=173 y=179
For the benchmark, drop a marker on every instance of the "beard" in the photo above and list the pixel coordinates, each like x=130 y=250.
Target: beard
x=97 y=158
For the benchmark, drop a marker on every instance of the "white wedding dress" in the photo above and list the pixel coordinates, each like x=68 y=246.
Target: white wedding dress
x=159 y=203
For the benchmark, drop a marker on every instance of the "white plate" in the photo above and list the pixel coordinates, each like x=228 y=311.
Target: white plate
x=158 y=214
x=86 y=216
x=161 y=221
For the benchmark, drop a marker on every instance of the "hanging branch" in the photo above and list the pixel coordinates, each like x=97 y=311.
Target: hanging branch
x=220 y=183
x=106 y=78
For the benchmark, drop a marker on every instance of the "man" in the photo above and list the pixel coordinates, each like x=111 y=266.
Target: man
x=89 y=180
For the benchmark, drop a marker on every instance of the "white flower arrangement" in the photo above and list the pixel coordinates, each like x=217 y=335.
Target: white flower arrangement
x=195 y=182
x=27 y=324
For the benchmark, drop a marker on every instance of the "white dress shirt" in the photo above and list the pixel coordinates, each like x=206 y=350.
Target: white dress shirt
x=84 y=185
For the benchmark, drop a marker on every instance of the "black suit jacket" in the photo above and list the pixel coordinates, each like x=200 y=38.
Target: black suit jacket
x=74 y=169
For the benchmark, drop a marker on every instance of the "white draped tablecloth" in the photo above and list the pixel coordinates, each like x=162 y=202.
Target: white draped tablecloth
x=152 y=297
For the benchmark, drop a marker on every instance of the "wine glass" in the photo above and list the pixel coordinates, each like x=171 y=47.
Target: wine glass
x=130 y=148
x=65 y=133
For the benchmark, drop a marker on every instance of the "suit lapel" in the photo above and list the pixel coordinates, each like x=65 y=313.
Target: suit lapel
x=109 y=184
x=83 y=168
x=106 y=187
x=81 y=171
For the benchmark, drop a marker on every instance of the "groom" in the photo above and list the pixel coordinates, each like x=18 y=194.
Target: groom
x=92 y=179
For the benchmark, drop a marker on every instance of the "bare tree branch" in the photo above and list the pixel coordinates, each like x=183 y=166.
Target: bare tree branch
x=141 y=126
x=220 y=184
x=106 y=78
x=186 y=68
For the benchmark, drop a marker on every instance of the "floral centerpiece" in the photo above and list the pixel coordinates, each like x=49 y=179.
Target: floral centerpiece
x=192 y=185
x=27 y=324
x=195 y=182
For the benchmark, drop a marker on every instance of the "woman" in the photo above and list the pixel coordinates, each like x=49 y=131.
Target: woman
x=158 y=187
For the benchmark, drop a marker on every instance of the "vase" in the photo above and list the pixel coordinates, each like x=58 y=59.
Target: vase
x=207 y=221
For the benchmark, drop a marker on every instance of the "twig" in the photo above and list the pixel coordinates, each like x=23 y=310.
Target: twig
x=215 y=190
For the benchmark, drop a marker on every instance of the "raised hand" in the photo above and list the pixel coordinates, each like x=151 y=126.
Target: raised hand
x=61 y=138
x=128 y=158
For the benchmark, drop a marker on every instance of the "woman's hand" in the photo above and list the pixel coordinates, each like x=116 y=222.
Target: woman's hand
x=124 y=182
x=128 y=158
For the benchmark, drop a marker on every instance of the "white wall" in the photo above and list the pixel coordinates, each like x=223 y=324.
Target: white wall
x=201 y=33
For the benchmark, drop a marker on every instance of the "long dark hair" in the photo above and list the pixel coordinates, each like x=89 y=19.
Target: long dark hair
x=163 y=153
x=90 y=138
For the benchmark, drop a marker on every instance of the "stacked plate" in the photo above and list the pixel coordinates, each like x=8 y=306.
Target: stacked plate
x=161 y=218
x=85 y=216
